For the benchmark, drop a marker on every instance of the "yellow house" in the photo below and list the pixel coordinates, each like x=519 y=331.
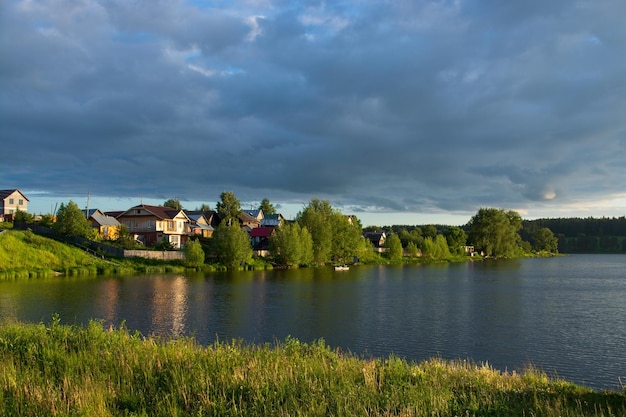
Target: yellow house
x=107 y=227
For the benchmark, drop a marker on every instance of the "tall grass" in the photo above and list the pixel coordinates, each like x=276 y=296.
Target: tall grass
x=59 y=370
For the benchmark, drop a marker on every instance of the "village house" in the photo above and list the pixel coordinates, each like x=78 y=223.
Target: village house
x=272 y=220
x=260 y=239
x=199 y=224
x=107 y=227
x=10 y=202
x=151 y=224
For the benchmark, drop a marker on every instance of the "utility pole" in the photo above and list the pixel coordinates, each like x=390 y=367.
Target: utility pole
x=87 y=211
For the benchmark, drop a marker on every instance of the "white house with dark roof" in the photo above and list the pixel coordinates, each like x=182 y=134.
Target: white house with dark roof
x=10 y=202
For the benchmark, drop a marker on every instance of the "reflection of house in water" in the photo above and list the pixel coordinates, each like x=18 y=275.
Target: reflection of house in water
x=169 y=305
x=107 y=301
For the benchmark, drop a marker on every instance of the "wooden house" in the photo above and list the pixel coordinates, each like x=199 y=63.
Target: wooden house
x=151 y=224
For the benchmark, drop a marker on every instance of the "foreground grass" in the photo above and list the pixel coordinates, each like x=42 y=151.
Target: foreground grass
x=62 y=370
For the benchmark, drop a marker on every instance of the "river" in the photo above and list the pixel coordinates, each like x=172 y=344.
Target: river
x=565 y=315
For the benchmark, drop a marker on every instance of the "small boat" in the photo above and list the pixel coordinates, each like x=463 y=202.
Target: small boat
x=342 y=268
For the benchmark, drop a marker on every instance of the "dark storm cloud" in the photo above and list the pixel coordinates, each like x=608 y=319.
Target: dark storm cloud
x=378 y=106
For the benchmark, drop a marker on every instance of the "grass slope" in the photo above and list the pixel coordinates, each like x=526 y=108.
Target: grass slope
x=24 y=250
x=69 y=371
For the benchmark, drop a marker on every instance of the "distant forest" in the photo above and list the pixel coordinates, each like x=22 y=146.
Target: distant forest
x=589 y=235
x=575 y=235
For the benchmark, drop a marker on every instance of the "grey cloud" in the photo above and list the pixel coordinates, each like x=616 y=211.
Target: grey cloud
x=399 y=107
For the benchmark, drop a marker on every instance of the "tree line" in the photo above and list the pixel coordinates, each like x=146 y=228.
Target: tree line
x=584 y=235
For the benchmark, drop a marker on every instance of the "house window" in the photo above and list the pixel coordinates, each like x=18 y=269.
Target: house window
x=128 y=224
x=11 y=201
x=149 y=224
x=170 y=225
x=135 y=223
x=20 y=202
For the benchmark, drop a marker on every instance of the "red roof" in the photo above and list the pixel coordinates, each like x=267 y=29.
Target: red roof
x=261 y=232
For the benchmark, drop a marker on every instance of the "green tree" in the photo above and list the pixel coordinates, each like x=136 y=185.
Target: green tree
x=365 y=251
x=436 y=248
x=412 y=250
x=47 y=220
x=125 y=239
x=22 y=217
x=316 y=218
x=229 y=208
x=205 y=207
x=267 y=207
x=291 y=245
x=71 y=221
x=335 y=236
x=194 y=254
x=456 y=238
x=430 y=231
x=173 y=203
x=394 y=247
x=347 y=235
x=495 y=231
x=544 y=240
x=232 y=245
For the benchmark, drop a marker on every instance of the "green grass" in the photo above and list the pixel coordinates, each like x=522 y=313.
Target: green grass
x=60 y=370
x=23 y=253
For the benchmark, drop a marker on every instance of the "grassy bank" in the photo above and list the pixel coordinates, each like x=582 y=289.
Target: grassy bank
x=62 y=370
x=24 y=254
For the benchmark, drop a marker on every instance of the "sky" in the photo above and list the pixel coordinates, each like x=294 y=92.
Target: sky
x=400 y=112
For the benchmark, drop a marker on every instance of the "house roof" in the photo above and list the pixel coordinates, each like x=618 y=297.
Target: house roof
x=261 y=232
x=202 y=226
x=104 y=220
x=246 y=217
x=257 y=214
x=5 y=193
x=164 y=213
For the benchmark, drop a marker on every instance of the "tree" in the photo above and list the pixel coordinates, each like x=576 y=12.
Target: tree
x=125 y=239
x=456 y=238
x=291 y=245
x=394 y=247
x=545 y=240
x=412 y=250
x=495 y=231
x=22 y=217
x=232 y=245
x=347 y=234
x=47 y=220
x=436 y=248
x=267 y=207
x=71 y=221
x=173 y=203
x=229 y=208
x=335 y=236
x=430 y=231
x=205 y=207
x=316 y=218
x=194 y=255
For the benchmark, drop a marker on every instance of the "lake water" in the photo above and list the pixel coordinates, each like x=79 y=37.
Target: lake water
x=565 y=315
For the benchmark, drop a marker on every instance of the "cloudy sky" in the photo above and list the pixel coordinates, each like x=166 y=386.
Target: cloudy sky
x=402 y=112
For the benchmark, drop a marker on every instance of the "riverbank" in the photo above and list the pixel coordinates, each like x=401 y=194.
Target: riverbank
x=71 y=370
x=24 y=254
